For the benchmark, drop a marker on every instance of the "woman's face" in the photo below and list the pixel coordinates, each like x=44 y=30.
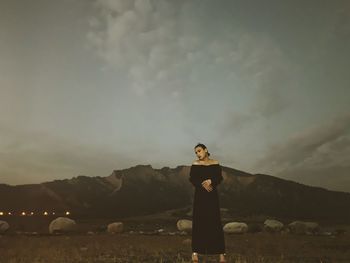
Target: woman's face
x=200 y=152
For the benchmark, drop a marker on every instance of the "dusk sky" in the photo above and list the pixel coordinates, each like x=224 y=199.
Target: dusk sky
x=89 y=86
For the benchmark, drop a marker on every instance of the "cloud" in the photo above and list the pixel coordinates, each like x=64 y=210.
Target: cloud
x=267 y=80
x=34 y=157
x=162 y=47
x=319 y=155
x=140 y=39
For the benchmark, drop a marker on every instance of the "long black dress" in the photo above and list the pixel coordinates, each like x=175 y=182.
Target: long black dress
x=207 y=231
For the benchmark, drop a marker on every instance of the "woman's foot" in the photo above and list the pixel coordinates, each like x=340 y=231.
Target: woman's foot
x=195 y=257
x=222 y=258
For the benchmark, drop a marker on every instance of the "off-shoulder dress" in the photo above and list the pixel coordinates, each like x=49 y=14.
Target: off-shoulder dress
x=207 y=231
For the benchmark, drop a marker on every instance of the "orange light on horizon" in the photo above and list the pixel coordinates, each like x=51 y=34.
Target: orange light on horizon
x=1 y=213
x=31 y=213
x=67 y=213
x=23 y=213
x=46 y=213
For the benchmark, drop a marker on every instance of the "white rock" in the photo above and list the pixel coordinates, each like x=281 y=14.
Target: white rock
x=116 y=227
x=184 y=225
x=235 y=227
x=301 y=227
x=272 y=225
x=62 y=225
x=4 y=226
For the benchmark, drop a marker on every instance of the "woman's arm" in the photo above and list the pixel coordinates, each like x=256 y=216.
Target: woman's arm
x=217 y=177
x=194 y=177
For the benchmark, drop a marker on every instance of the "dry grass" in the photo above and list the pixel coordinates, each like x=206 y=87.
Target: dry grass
x=105 y=248
x=101 y=247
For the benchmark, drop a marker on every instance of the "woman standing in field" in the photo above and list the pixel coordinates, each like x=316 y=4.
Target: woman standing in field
x=207 y=232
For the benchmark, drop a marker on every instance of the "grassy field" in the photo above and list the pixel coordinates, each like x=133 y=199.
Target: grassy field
x=28 y=241
x=125 y=247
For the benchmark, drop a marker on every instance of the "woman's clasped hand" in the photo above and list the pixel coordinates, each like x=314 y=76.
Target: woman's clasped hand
x=207 y=185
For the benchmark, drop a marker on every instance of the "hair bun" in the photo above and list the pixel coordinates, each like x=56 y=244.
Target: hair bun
x=202 y=146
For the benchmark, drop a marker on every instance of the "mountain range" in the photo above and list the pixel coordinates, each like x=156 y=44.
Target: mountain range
x=142 y=190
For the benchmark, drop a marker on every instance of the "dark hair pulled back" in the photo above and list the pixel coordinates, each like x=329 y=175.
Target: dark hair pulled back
x=202 y=146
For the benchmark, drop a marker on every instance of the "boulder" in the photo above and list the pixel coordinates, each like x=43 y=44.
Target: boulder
x=235 y=228
x=62 y=225
x=272 y=225
x=301 y=227
x=184 y=225
x=116 y=227
x=4 y=226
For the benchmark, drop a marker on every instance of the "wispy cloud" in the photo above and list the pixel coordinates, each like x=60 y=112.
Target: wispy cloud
x=142 y=39
x=161 y=46
x=318 y=155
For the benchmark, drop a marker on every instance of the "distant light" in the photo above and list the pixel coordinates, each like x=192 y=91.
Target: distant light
x=1 y=213
x=31 y=213
x=9 y=213
x=53 y=213
x=67 y=213
x=23 y=213
x=46 y=213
